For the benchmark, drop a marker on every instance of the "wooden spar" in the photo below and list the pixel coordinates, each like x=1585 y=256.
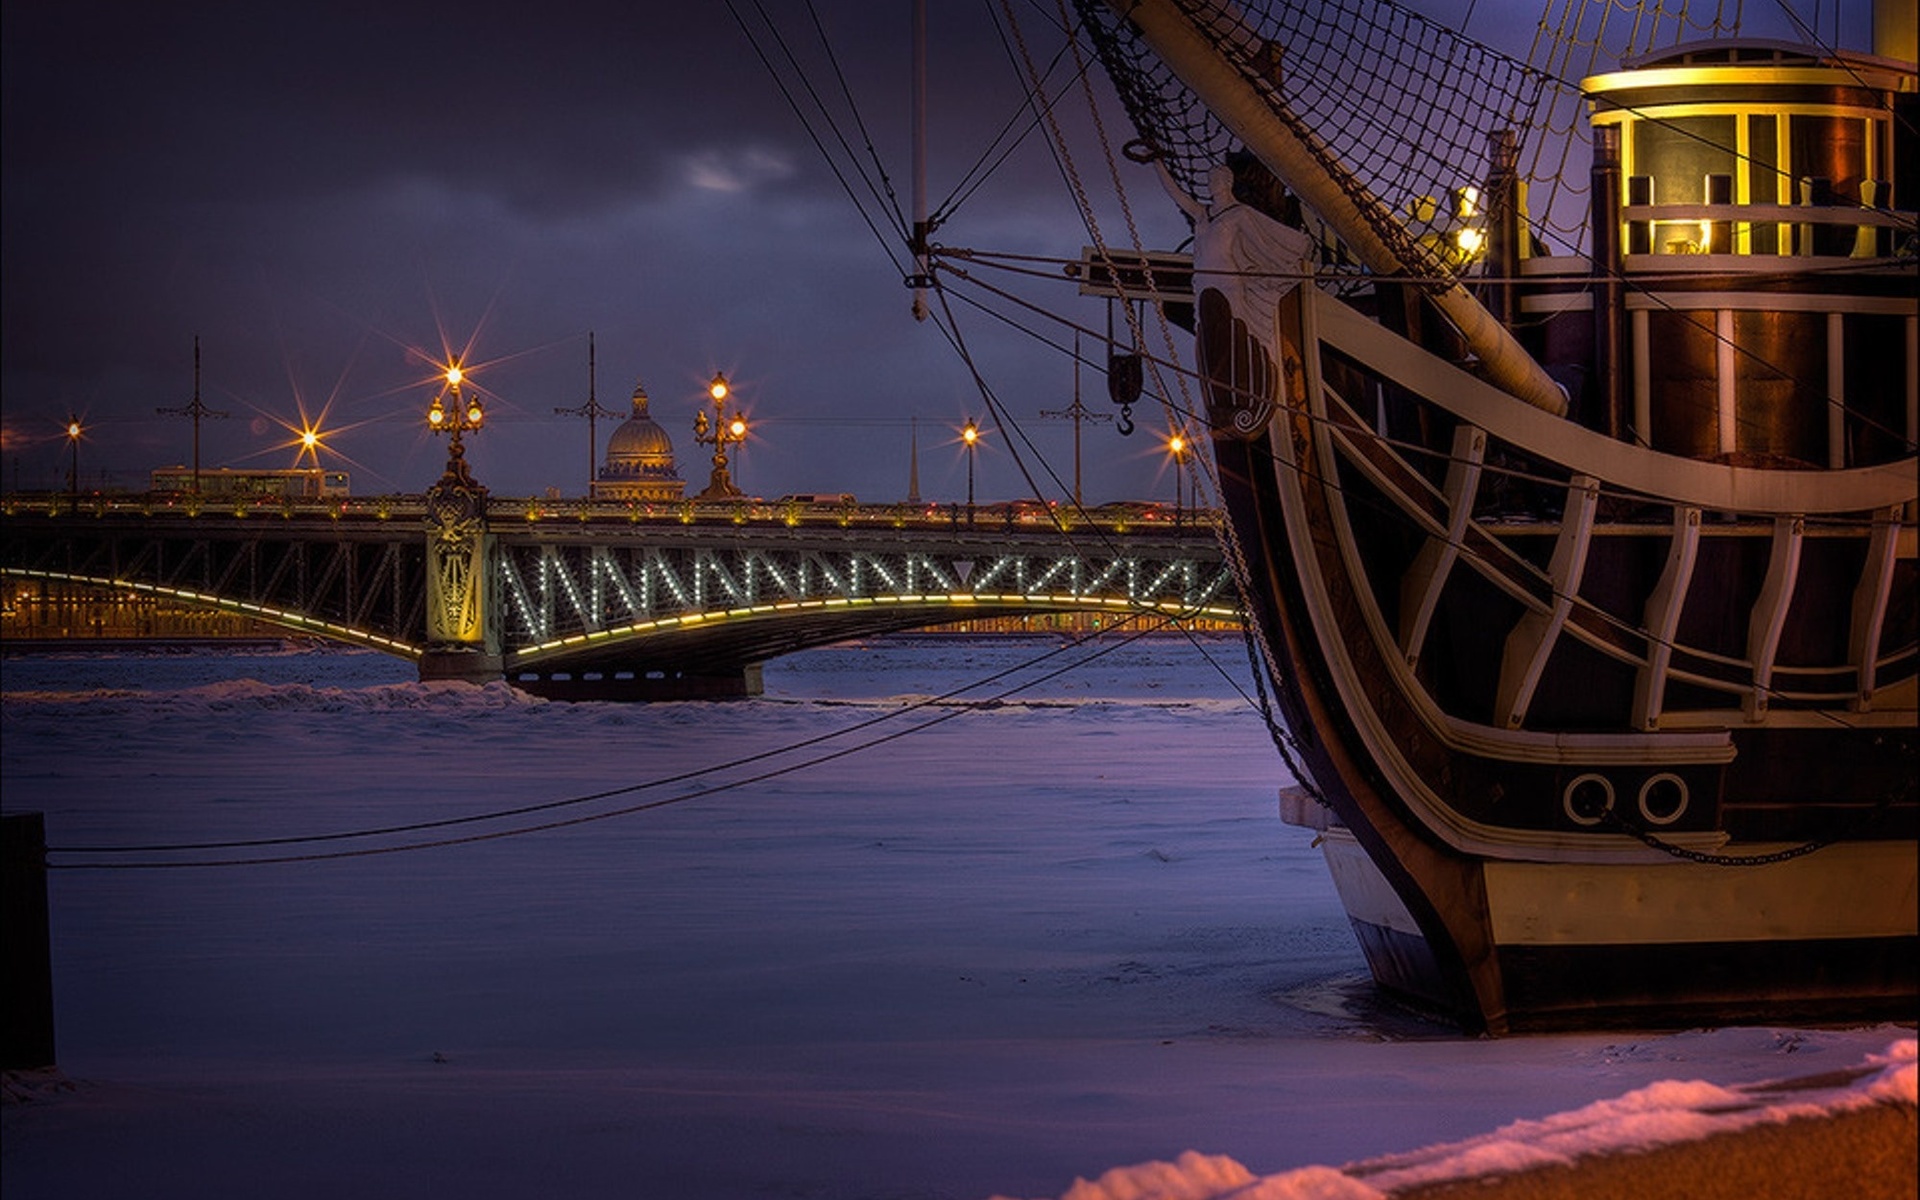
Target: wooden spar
x=920 y=230
x=1341 y=201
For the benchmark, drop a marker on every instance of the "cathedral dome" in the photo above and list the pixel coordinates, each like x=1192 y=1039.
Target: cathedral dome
x=639 y=463
x=640 y=439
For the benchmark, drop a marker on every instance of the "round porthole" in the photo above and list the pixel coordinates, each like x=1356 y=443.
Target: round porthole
x=1663 y=798
x=1587 y=799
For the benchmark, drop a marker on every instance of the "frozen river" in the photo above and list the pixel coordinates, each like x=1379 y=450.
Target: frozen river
x=834 y=941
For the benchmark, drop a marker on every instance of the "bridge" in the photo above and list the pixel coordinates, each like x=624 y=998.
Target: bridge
x=605 y=599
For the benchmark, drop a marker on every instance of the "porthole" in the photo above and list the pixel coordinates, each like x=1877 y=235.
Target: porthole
x=1663 y=799
x=1587 y=799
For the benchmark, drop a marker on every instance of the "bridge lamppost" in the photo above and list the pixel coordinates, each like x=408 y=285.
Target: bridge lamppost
x=1177 y=446
x=74 y=430
x=449 y=416
x=722 y=431
x=970 y=434
x=463 y=634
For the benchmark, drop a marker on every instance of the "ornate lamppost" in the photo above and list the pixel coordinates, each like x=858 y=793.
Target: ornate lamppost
x=1177 y=446
x=448 y=415
x=74 y=430
x=970 y=434
x=461 y=640
x=720 y=432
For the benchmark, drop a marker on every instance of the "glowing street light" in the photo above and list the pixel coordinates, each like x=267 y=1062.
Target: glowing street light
x=74 y=430
x=1177 y=446
x=970 y=434
x=722 y=431
x=447 y=414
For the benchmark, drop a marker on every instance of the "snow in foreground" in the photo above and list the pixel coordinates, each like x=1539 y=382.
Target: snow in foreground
x=1665 y=1114
x=1053 y=929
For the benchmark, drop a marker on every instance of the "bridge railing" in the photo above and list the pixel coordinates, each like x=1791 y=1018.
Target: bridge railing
x=1117 y=517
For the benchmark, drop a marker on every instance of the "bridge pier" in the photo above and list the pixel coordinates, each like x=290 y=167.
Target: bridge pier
x=465 y=665
x=611 y=683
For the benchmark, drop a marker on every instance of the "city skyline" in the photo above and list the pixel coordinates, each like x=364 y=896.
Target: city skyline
x=334 y=206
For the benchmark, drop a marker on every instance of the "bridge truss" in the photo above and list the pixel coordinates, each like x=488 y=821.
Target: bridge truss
x=585 y=606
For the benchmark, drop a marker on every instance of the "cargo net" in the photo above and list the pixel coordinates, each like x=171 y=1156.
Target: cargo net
x=1399 y=110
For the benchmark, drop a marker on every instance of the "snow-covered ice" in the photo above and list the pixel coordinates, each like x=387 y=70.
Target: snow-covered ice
x=973 y=947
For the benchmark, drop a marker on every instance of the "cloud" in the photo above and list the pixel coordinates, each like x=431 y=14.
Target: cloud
x=737 y=170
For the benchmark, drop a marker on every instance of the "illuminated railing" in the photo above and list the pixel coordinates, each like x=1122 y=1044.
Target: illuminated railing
x=508 y=512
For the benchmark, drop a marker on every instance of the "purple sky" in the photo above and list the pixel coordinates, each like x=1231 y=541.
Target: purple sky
x=326 y=193
x=321 y=192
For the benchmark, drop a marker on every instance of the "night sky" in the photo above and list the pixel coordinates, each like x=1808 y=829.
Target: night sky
x=328 y=195
x=333 y=196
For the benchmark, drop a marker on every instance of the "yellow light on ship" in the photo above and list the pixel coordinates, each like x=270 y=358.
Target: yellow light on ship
x=1470 y=242
x=970 y=433
x=309 y=439
x=1177 y=445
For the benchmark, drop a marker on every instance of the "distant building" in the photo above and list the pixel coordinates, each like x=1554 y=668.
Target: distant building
x=639 y=462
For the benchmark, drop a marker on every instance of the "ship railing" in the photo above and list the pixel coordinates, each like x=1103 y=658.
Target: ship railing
x=1766 y=230
x=1582 y=489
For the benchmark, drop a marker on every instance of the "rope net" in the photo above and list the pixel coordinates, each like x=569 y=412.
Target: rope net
x=1402 y=110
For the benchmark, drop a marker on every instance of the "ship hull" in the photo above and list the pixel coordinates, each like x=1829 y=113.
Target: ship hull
x=1526 y=911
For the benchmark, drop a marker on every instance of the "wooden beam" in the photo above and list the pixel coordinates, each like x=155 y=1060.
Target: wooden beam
x=1662 y=620
x=1420 y=588
x=1532 y=639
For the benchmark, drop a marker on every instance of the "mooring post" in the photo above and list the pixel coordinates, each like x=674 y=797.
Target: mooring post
x=28 y=943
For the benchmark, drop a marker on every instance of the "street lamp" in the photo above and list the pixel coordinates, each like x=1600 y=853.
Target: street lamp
x=1177 y=446
x=74 y=430
x=449 y=415
x=722 y=431
x=970 y=434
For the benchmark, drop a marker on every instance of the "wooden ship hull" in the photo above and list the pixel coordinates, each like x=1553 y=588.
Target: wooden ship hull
x=1565 y=773
x=1591 y=614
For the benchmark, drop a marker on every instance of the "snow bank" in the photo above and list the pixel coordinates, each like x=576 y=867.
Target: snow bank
x=1663 y=1114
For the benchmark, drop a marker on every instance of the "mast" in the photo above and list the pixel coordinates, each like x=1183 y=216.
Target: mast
x=592 y=410
x=1187 y=45
x=913 y=464
x=195 y=409
x=921 y=232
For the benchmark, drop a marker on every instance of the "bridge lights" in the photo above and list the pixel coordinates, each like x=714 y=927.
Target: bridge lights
x=719 y=432
x=448 y=415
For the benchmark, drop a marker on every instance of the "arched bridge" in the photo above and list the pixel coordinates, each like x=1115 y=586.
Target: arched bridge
x=569 y=598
